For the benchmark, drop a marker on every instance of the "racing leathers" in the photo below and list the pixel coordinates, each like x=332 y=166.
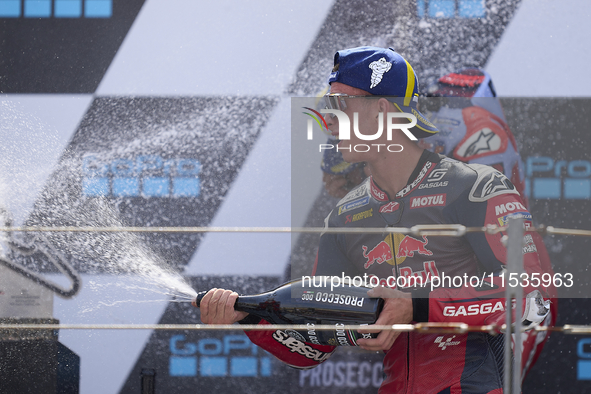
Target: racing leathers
x=473 y=129
x=440 y=191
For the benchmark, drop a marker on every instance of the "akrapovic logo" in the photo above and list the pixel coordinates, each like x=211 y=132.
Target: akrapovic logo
x=143 y=176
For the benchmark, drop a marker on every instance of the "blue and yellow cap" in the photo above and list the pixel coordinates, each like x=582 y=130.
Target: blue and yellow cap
x=382 y=72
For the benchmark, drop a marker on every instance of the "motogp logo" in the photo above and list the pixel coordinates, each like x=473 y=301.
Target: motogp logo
x=448 y=342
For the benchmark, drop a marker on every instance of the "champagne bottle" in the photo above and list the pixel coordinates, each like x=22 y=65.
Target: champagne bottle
x=301 y=302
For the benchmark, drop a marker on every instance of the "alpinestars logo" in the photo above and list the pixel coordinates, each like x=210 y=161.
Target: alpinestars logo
x=484 y=141
x=490 y=183
x=408 y=188
x=448 y=342
x=390 y=207
x=496 y=183
x=378 y=68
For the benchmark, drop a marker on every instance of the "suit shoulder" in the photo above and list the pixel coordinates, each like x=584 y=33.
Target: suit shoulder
x=356 y=200
x=358 y=191
x=489 y=183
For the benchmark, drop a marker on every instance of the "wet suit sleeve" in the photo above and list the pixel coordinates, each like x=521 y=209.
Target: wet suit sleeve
x=295 y=353
x=485 y=304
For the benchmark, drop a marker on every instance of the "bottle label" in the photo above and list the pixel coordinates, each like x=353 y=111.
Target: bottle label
x=344 y=337
x=338 y=337
x=312 y=336
x=335 y=298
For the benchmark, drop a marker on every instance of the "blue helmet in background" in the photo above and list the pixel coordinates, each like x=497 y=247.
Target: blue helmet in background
x=471 y=122
x=333 y=163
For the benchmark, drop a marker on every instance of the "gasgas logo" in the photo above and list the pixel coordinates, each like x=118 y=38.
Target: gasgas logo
x=345 y=130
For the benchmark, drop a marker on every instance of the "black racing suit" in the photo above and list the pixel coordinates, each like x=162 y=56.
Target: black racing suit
x=440 y=191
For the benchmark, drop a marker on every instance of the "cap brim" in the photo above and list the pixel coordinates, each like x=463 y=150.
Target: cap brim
x=424 y=128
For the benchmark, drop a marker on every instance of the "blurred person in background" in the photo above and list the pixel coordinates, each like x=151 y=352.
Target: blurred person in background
x=472 y=125
x=473 y=129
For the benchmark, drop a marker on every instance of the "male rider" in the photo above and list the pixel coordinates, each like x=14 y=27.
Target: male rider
x=411 y=186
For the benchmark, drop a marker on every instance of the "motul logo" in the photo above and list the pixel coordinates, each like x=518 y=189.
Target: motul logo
x=509 y=207
x=427 y=201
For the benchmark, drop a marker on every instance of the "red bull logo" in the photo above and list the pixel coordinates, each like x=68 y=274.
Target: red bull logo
x=409 y=245
x=379 y=254
x=422 y=277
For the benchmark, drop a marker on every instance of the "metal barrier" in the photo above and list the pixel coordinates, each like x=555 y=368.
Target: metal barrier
x=513 y=242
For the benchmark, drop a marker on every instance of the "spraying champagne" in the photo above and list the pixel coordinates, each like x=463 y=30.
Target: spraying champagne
x=299 y=302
